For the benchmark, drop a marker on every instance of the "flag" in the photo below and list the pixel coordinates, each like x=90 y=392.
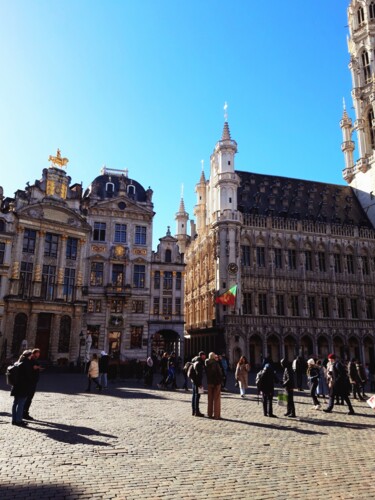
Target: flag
x=228 y=298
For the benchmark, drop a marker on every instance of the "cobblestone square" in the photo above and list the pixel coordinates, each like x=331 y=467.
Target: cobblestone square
x=132 y=442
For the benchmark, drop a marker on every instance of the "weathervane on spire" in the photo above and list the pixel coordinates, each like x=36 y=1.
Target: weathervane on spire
x=225 y=111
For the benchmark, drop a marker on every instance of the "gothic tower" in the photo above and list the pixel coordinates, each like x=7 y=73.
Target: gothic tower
x=360 y=175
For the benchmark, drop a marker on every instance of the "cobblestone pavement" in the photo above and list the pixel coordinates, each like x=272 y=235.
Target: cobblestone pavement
x=130 y=442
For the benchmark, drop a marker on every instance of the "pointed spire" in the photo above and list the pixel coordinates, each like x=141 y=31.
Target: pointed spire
x=203 y=177
x=226 y=133
x=182 y=206
x=168 y=231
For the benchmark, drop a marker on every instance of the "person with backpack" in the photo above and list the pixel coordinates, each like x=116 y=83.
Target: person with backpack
x=22 y=387
x=214 y=380
x=338 y=383
x=195 y=373
x=288 y=384
x=265 y=382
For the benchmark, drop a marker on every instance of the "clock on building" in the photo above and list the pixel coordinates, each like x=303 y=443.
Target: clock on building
x=232 y=267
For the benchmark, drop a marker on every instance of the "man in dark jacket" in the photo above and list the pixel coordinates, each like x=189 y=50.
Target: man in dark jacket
x=338 y=383
x=103 y=369
x=214 y=380
x=36 y=369
x=196 y=377
x=288 y=384
x=268 y=388
x=22 y=388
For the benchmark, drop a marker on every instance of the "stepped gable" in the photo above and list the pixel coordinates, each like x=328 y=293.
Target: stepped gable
x=299 y=199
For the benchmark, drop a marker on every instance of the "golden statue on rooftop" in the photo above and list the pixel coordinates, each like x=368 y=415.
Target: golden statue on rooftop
x=57 y=160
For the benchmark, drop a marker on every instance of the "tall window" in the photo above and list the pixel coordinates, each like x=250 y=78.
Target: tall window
x=139 y=276
x=177 y=306
x=19 y=332
x=280 y=309
x=2 y=252
x=366 y=66
x=167 y=306
x=247 y=304
x=311 y=306
x=308 y=260
x=325 y=307
x=292 y=258
x=116 y=305
x=261 y=257
x=245 y=255
x=51 y=244
x=294 y=305
x=99 y=231
x=178 y=280
x=360 y=15
x=167 y=280
x=278 y=258
x=25 y=279
x=138 y=306
x=157 y=280
x=372 y=10
x=120 y=233
x=117 y=275
x=48 y=282
x=140 y=235
x=350 y=263
x=94 y=306
x=354 y=306
x=71 y=248
x=338 y=268
x=156 y=306
x=96 y=273
x=371 y=127
x=341 y=307
x=29 y=240
x=168 y=256
x=365 y=265
x=64 y=334
x=262 y=302
x=136 y=333
x=69 y=282
x=322 y=262
x=369 y=309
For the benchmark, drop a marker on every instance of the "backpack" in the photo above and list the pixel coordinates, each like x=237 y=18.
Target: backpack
x=259 y=380
x=190 y=370
x=12 y=374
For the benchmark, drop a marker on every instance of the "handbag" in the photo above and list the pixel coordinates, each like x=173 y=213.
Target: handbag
x=282 y=399
x=201 y=390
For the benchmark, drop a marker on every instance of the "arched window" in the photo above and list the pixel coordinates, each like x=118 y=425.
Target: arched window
x=110 y=188
x=370 y=118
x=360 y=15
x=168 y=256
x=372 y=10
x=2 y=226
x=131 y=191
x=19 y=332
x=64 y=334
x=366 y=66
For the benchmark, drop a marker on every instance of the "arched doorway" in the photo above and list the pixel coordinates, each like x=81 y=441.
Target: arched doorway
x=338 y=347
x=255 y=351
x=353 y=349
x=368 y=345
x=307 y=349
x=19 y=332
x=237 y=353
x=290 y=346
x=166 y=341
x=323 y=347
x=273 y=348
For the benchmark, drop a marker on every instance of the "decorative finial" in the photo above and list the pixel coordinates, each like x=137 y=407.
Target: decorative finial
x=182 y=190
x=343 y=103
x=202 y=163
x=58 y=161
x=225 y=111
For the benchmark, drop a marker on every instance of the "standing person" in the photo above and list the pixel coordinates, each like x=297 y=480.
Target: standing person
x=322 y=388
x=214 y=380
x=163 y=370
x=299 y=368
x=36 y=369
x=93 y=373
x=103 y=369
x=224 y=364
x=196 y=377
x=338 y=383
x=354 y=379
x=313 y=378
x=149 y=371
x=267 y=388
x=22 y=388
x=242 y=375
x=362 y=378
x=288 y=384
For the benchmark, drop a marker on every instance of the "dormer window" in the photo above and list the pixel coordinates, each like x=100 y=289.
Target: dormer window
x=131 y=191
x=168 y=256
x=360 y=15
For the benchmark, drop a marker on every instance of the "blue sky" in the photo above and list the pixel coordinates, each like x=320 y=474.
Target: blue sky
x=141 y=85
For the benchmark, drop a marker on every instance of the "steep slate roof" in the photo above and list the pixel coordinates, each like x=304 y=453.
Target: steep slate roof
x=299 y=199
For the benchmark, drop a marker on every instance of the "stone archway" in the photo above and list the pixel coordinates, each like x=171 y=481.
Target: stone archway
x=255 y=350
x=339 y=347
x=369 y=351
x=273 y=348
x=353 y=350
x=323 y=347
x=166 y=341
x=290 y=346
x=306 y=347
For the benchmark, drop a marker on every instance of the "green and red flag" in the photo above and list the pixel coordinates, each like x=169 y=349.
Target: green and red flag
x=227 y=298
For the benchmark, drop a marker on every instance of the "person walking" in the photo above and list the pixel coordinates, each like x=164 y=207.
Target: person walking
x=242 y=375
x=196 y=377
x=354 y=379
x=313 y=378
x=22 y=388
x=214 y=380
x=322 y=388
x=288 y=384
x=362 y=378
x=103 y=369
x=338 y=383
x=36 y=369
x=93 y=373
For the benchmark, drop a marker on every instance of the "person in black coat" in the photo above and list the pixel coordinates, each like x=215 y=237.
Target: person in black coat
x=22 y=388
x=36 y=369
x=103 y=369
x=268 y=388
x=288 y=384
x=338 y=383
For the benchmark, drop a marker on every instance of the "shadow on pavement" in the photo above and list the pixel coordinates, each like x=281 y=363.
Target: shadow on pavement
x=273 y=426
x=50 y=491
